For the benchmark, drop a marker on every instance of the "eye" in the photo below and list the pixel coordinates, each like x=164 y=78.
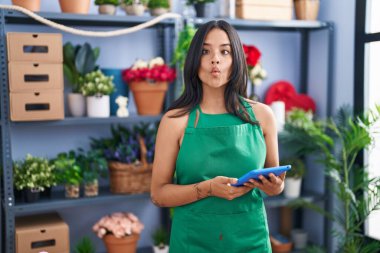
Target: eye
x=225 y=52
x=204 y=51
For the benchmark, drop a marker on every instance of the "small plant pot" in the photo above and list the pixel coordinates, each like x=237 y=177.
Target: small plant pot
x=31 y=195
x=91 y=189
x=118 y=245
x=75 y=6
x=306 y=9
x=157 y=249
x=299 y=238
x=292 y=187
x=108 y=9
x=135 y=9
x=72 y=191
x=32 y=5
x=77 y=104
x=149 y=97
x=98 y=106
x=158 y=11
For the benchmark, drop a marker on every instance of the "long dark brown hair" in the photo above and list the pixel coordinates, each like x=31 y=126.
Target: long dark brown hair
x=236 y=87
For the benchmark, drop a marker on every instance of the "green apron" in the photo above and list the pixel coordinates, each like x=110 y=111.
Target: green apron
x=220 y=145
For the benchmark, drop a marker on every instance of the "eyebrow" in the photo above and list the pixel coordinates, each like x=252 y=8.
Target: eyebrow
x=223 y=45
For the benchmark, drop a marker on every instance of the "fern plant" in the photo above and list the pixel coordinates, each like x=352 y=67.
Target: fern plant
x=85 y=245
x=338 y=142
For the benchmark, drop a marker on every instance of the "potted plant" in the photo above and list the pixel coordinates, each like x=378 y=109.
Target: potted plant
x=32 y=176
x=107 y=6
x=160 y=239
x=306 y=9
x=294 y=176
x=158 y=7
x=129 y=158
x=78 y=61
x=149 y=82
x=256 y=73
x=68 y=173
x=120 y=231
x=85 y=245
x=32 y=5
x=202 y=7
x=75 y=6
x=338 y=145
x=93 y=165
x=97 y=87
x=134 y=7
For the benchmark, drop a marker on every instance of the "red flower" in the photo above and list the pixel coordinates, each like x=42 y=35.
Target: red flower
x=252 y=55
x=157 y=73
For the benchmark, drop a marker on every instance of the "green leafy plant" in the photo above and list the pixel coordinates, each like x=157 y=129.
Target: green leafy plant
x=78 y=61
x=68 y=170
x=131 y=2
x=153 y=4
x=112 y=2
x=190 y=2
x=33 y=173
x=184 y=40
x=96 y=84
x=298 y=167
x=92 y=163
x=338 y=145
x=160 y=238
x=85 y=245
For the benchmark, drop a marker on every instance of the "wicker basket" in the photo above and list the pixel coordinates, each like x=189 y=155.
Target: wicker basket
x=131 y=178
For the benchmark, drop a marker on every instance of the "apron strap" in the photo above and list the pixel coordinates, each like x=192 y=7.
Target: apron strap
x=249 y=109
x=192 y=120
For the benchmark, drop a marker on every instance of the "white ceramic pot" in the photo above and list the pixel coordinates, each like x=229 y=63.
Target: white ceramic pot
x=77 y=104
x=135 y=9
x=299 y=238
x=98 y=106
x=292 y=187
x=108 y=9
x=158 y=11
x=156 y=249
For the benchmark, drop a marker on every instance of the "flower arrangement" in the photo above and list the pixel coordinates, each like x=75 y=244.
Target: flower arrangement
x=256 y=72
x=119 y=224
x=153 y=71
x=96 y=83
x=33 y=173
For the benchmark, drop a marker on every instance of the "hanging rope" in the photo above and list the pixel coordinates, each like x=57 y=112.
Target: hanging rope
x=91 y=33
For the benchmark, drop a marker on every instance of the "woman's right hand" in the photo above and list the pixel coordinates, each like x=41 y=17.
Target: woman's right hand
x=221 y=187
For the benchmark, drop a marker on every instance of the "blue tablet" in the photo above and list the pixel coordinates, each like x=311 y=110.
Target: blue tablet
x=254 y=174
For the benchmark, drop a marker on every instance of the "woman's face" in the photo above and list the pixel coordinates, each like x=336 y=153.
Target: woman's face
x=216 y=60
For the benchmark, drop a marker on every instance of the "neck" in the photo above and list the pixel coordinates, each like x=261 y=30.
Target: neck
x=213 y=100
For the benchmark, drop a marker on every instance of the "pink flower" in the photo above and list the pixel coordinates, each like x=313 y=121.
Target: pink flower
x=119 y=224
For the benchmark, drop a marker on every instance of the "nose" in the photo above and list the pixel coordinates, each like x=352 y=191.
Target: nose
x=215 y=62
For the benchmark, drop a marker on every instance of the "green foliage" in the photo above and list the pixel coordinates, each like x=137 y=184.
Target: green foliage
x=338 y=147
x=131 y=2
x=113 y=2
x=85 y=245
x=96 y=84
x=298 y=167
x=160 y=237
x=68 y=170
x=33 y=172
x=78 y=61
x=190 y=2
x=158 y=4
x=184 y=40
x=92 y=163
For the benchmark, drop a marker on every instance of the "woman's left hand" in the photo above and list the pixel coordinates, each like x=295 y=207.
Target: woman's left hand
x=271 y=186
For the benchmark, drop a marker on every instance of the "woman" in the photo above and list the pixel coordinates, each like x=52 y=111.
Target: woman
x=208 y=138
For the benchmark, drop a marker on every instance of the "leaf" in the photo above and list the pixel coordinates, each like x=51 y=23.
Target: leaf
x=85 y=60
x=68 y=53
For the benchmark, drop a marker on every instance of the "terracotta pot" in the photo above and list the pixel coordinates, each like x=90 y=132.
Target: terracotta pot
x=117 y=245
x=32 y=5
x=306 y=9
x=75 y=6
x=149 y=97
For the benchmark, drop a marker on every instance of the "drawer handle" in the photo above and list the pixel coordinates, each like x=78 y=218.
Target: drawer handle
x=37 y=107
x=40 y=244
x=36 y=78
x=35 y=49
